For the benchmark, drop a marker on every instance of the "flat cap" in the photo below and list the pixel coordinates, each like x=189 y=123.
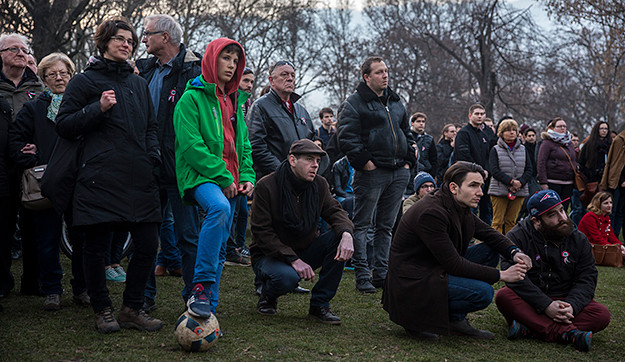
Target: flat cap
x=306 y=147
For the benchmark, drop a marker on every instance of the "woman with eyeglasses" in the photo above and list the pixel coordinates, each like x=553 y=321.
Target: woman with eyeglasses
x=511 y=168
x=110 y=108
x=31 y=140
x=557 y=161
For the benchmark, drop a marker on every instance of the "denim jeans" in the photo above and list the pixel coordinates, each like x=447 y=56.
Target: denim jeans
x=239 y=225
x=169 y=256
x=211 y=248
x=378 y=191
x=48 y=226
x=279 y=278
x=577 y=210
x=469 y=295
x=186 y=230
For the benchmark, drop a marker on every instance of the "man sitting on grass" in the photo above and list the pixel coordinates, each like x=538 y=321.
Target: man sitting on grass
x=555 y=302
x=286 y=245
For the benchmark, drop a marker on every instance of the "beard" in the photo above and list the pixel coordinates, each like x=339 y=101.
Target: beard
x=558 y=232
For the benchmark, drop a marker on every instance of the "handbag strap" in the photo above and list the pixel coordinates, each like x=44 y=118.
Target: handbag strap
x=569 y=157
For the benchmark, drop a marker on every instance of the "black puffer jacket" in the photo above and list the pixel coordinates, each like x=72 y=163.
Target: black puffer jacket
x=185 y=66
x=116 y=179
x=273 y=129
x=32 y=126
x=371 y=130
x=5 y=119
x=566 y=270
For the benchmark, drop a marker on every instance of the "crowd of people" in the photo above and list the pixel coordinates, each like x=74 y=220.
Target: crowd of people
x=173 y=147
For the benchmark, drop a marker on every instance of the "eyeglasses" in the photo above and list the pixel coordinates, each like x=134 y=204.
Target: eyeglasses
x=16 y=50
x=121 y=40
x=145 y=34
x=53 y=75
x=427 y=187
x=560 y=126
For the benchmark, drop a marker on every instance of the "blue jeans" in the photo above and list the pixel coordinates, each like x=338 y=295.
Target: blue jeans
x=470 y=295
x=239 y=225
x=211 y=247
x=169 y=256
x=577 y=210
x=279 y=278
x=378 y=191
x=186 y=230
x=48 y=226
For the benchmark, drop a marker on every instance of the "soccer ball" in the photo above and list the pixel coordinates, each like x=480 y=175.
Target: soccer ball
x=196 y=334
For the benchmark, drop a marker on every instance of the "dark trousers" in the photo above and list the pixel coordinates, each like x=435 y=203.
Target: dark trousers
x=114 y=253
x=594 y=317
x=565 y=191
x=145 y=239
x=6 y=278
x=279 y=278
x=30 y=264
x=239 y=225
x=48 y=226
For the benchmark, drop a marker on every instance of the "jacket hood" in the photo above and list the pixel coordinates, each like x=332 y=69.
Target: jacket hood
x=209 y=64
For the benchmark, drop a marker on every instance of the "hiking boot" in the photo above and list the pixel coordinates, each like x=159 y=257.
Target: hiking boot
x=237 y=258
x=160 y=271
x=581 y=340
x=463 y=328
x=518 y=330
x=82 y=299
x=105 y=321
x=199 y=304
x=365 y=286
x=52 y=302
x=425 y=336
x=148 y=305
x=324 y=315
x=137 y=319
x=112 y=275
x=267 y=306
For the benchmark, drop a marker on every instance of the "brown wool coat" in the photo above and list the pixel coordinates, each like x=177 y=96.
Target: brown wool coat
x=269 y=235
x=614 y=164
x=428 y=246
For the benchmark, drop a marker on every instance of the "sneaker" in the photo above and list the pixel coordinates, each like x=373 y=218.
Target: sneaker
x=518 y=330
x=324 y=315
x=580 y=340
x=463 y=328
x=82 y=299
x=120 y=271
x=245 y=252
x=237 y=259
x=199 y=304
x=105 y=322
x=160 y=271
x=365 y=286
x=148 y=305
x=137 y=319
x=52 y=302
x=267 y=306
x=111 y=275
x=425 y=336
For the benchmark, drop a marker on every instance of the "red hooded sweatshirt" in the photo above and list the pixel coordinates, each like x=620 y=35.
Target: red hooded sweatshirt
x=228 y=114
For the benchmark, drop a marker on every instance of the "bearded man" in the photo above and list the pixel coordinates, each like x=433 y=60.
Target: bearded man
x=554 y=302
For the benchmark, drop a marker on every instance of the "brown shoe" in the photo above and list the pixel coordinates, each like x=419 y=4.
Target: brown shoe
x=137 y=319
x=159 y=271
x=52 y=302
x=176 y=273
x=105 y=321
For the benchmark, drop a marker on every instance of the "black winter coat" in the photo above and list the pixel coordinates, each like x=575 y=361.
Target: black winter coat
x=566 y=270
x=116 y=179
x=370 y=129
x=428 y=159
x=185 y=66
x=444 y=150
x=32 y=126
x=5 y=120
x=472 y=145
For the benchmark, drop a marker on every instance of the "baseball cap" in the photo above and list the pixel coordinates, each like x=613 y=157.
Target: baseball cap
x=543 y=201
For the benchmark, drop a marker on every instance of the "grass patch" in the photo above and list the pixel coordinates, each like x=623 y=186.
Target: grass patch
x=29 y=333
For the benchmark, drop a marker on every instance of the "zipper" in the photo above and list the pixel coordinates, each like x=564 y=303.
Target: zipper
x=388 y=113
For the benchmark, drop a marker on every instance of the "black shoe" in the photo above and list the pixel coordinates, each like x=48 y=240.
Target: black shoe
x=259 y=290
x=16 y=254
x=463 y=328
x=324 y=315
x=378 y=283
x=300 y=290
x=581 y=340
x=365 y=286
x=518 y=330
x=266 y=306
x=148 y=305
x=426 y=336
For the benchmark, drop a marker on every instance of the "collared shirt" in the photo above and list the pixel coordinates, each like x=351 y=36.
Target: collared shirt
x=156 y=83
x=5 y=79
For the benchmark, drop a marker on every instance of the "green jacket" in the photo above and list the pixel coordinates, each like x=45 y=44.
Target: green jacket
x=200 y=142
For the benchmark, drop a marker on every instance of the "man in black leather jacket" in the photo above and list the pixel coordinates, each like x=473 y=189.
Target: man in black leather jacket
x=374 y=133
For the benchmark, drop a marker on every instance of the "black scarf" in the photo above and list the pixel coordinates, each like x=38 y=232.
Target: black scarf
x=289 y=185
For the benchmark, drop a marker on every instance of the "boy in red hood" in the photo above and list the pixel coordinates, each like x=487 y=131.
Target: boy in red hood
x=213 y=165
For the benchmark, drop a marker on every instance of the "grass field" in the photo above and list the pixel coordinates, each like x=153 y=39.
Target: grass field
x=28 y=333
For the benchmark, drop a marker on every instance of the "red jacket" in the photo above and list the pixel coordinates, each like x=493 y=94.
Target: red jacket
x=598 y=229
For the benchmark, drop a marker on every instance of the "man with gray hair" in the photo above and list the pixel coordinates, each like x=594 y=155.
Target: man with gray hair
x=167 y=72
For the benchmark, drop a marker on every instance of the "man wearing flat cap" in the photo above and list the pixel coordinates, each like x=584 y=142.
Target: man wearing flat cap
x=286 y=246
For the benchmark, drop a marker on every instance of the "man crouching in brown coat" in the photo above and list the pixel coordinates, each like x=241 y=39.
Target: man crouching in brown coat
x=434 y=278
x=286 y=245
